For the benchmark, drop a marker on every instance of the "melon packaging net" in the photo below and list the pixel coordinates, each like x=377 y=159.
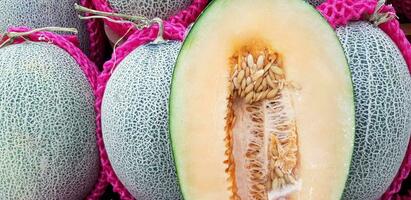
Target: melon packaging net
x=48 y=41
x=341 y=13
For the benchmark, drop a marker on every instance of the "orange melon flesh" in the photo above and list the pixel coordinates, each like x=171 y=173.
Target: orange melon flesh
x=323 y=108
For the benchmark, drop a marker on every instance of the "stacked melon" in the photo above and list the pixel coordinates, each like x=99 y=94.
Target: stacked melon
x=382 y=89
x=150 y=9
x=134 y=113
x=42 y=13
x=47 y=129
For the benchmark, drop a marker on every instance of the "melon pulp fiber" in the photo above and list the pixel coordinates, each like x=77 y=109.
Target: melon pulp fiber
x=47 y=125
x=382 y=91
x=149 y=8
x=42 y=13
x=135 y=122
x=262 y=104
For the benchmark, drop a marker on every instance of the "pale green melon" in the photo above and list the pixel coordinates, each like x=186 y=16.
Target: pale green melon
x=42 y=13
x=382 y=90
x=47 y=125
x=135 y=122
x=149 y=8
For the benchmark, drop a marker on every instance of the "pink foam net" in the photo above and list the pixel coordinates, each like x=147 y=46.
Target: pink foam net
x=69 y=43
x=339 y=13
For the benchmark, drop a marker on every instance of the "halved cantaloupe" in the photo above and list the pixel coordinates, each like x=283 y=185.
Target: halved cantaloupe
x=261 y=104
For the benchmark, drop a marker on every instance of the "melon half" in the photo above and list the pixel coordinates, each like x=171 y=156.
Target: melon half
x=262 y=105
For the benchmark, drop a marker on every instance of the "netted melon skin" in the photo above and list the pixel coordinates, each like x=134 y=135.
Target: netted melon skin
x=42 y=13
x=150 y=8
x=134 y=119
x=382 y=90
x=47 y=125
x=315 y=3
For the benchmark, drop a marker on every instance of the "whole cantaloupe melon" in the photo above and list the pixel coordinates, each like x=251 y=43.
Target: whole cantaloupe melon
x=149 y=8
x=134 y=119
x=47 y=125
x=382 y=91
x=42 y=13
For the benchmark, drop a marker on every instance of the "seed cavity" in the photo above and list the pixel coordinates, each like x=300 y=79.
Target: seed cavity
x=262 y=140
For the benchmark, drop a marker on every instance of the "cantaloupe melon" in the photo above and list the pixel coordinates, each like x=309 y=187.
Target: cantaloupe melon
x=42 y=13
x=382 y=88
x=149 y=8
x=262 y=104
x=47 y=125
x=134 y=119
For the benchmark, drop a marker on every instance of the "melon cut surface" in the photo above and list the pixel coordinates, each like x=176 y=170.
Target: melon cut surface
x=262 y=104
x=135 y=122
x=48 y=146
x=382 y=91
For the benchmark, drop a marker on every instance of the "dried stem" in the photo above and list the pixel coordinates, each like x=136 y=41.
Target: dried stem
x=110 y=14
x=12 y=35
x=378 y=17
x=135 y=20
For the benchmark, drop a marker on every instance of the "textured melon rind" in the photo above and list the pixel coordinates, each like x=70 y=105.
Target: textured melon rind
x=186 y=47
x=149 y=9
x=135 y=122
x=382 y=91
x=48 y=146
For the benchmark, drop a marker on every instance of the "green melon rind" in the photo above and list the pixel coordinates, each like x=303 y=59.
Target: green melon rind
x=149 y=9
x=186 y=47
x=134 y=117
x=48 y=146
x=382 y=91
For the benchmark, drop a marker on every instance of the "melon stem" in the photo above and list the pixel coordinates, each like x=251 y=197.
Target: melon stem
x=12 y=35
x=160 y=33
x=138 y=21
x=131 y=18
x=378 y=17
